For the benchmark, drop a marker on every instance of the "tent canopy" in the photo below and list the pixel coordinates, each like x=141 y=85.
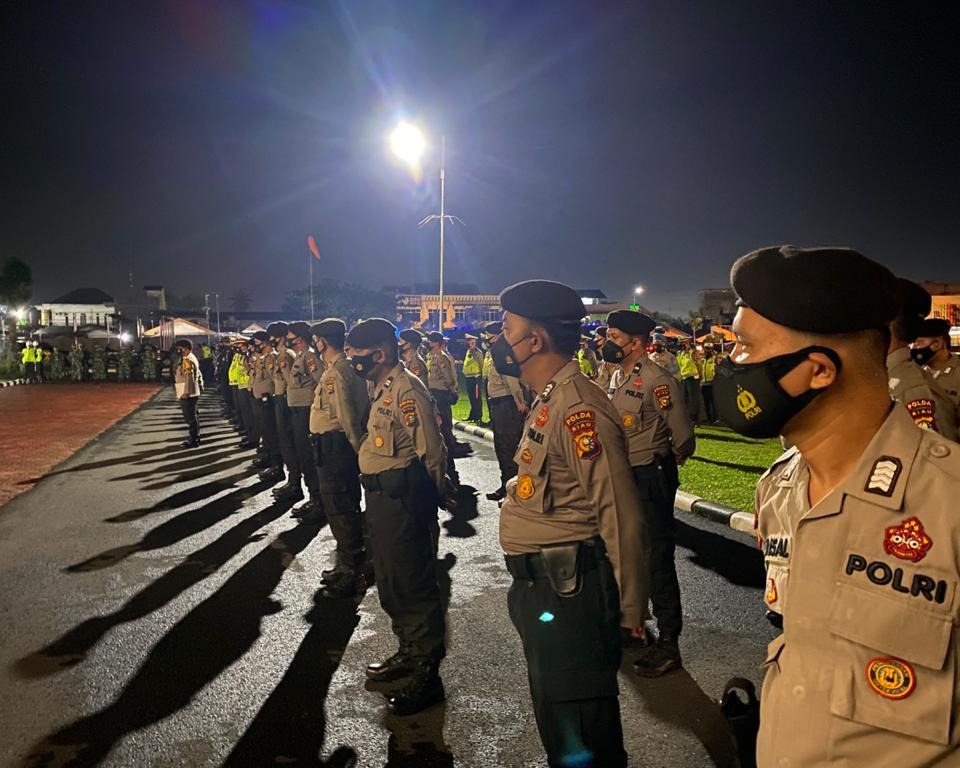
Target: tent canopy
x=718 y=330
x=178 y=327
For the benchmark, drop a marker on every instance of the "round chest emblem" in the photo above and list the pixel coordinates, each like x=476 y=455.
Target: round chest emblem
x=525 y=487
x=629 y=420
x=378 y=441
x=890 y=677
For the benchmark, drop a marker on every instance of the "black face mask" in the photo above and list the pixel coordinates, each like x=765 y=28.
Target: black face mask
x=749 y=397
x=922 y=355
x=612 y=352
x=363 y=365
x=501 y=351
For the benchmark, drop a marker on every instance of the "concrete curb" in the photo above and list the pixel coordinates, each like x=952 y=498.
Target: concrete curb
x=13 y=382
x=472 y=429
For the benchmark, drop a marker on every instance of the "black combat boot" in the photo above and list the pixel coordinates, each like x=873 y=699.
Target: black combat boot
x=348 y=584
x=397 y=666
x=289 y=491
x=424 y=690
x=497 y=495
x=272 y=475
x=663 y=658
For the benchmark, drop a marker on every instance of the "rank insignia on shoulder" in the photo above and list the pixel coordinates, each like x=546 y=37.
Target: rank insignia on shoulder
x=892 y=678
x=583 y=426
x=547 y=390
x=542 y=417
x=908 y=541
x=662 y=393
x=525 y=487
x=526 y=456
x=408 y=408
x=883 y=476
x=923 y=412
x=629 y=420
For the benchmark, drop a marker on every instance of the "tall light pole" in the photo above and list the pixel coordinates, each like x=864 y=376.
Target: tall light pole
x=408 y=143
x=217 y=296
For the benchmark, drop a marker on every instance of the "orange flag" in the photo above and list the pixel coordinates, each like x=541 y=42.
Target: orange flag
x=312 y=245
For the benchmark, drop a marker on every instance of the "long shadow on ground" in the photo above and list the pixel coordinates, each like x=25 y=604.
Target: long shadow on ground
x=214 y=635
x=739 y=563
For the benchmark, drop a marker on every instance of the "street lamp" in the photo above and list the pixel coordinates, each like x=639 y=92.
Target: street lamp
x=638 y=290
x=408 y=143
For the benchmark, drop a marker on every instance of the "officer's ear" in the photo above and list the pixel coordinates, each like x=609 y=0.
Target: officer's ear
x=823 y=370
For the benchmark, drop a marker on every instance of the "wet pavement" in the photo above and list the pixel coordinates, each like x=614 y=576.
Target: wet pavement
x=158 y=609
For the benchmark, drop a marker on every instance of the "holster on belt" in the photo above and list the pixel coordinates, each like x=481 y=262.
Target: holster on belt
x=562 y=562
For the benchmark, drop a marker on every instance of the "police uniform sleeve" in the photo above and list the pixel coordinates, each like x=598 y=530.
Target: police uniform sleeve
x=353 y=406
x=453 y=384
x=595 y=447
x=669 y=401
x=419 y=417
x=513 y=384
x=928 y=409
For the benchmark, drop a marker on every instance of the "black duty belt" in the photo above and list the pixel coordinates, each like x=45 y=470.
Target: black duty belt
x=533 y=565
x=386 y=482
x=498 y=398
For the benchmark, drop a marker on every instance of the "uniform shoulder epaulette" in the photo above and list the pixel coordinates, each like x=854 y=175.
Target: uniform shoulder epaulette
x=781 y=462
x=941 y=453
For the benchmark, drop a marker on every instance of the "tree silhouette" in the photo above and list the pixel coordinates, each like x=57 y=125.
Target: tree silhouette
x=16 y=288
x=241 y=300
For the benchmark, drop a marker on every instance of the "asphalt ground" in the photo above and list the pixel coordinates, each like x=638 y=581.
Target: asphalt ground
x=159 y=610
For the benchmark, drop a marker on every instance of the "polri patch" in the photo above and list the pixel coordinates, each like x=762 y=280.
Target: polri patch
x=908 y=541
x=583 y=426
x=662 y=393
x=637 y=383
x=883 y=476
x=891 y=677
x=542 y=417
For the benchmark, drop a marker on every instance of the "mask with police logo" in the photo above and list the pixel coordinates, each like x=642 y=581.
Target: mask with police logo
x=364 y=366
x=612 y=352
x=749 y=398
x=921 y=355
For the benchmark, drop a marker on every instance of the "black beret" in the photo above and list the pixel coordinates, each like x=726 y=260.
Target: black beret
x=914 y=300
x=412 y=336
x=435 y=336
x=300 y=328
x=371 y=332
x=630 y=321
x=820 y=290
x=277 y=329
x=331 y=328
x=261 y=336
x=183 y=344
x=601 y=331
x=543 y=300
x=494 y=329
x=935 y=326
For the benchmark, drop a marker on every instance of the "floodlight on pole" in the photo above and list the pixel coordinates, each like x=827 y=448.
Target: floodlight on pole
x=408 y=143
x=639 y=290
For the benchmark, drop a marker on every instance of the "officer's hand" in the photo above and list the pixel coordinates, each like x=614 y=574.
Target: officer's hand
x=681 y=460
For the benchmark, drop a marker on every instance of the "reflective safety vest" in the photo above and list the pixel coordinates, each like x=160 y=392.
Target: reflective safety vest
x=472 y=362
x=709 y=370
x=243 y=374
x=233 y=373
x=206 y=352
x=487 y=364
x=27 y=355
x=688 y=366
x=588 y=365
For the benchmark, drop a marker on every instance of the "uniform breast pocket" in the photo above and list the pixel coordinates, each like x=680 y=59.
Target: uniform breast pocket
x=895 y=663
x=528 y=488
x=381 y=439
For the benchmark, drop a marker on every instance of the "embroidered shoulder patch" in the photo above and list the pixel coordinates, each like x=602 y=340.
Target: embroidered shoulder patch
x=629 y=420
x=526 y=456
x=883 y=476
x=892 y=678
x=542 y=417
x=924 y=413
x=662 y=393
x=526 y=487
x=408 y=408
x=329 y=383
x=908 y=541
x=583 y=426
x=311 y=364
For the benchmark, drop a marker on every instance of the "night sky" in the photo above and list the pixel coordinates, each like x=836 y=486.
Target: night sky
x=601 y=144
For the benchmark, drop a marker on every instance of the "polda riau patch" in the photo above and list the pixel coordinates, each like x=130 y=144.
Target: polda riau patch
x=408 y=408
x=583 y=426
x=883 y=476
x=662 y=393
x=890 y=677
x=924 y=413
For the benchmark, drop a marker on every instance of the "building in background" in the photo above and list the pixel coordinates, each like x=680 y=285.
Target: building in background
x=83 y=306
x=946 y=304
x=717 y=305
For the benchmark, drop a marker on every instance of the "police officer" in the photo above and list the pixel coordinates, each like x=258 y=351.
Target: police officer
x=708 y=365
x=586 y=358
x=507 y=412
x=291 y=491
x=659 y=438
x=248 y=405
x=443 y=385
x=604 y=369
x=403 y=461
x=188 y=383
x=302 y=377
x=574 y=542
x=410 y=342
x=26 y=362
x=263 y=394
x=662 y=355
x=472 y=374
x=690 y=380
x=910 y=385
x=338 y=423
x=857 y=521
x=932 y=350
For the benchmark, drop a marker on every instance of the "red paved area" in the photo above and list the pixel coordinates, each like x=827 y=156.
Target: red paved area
x=43 y=424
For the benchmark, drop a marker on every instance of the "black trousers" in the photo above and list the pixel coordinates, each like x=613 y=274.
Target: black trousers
x=442 y=398
x=229 y=399
x=339 y=477
x=507 y=430
x=248 y=409
x=284 y=426
x=658 y=483
x=476 y=404
x=711 y=410
x=401 y=512
x=694 y=403
x=573 y=650
x=188 y=407
x=267 y=423
x=300 y=423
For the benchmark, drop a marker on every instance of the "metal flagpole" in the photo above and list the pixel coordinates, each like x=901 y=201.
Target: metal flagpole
x=443 y=163
x=310 y=259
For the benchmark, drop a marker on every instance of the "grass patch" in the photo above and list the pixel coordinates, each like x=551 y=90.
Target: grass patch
x=726 y=466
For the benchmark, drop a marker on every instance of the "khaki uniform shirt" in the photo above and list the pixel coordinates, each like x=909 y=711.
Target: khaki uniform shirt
x=668 y=361
x=865 y=672
x=302 y=376
x=404 y=427
x=263 y=374
x=187 y=379
x=651 y=409
x=575 y=482
x=604 y=373
x=282 y=369
x=442 y=372
x=948 y=377
x=915 y=388
x=340 y=402
x=418 y=367
x=499 y=385
x=251 y=363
